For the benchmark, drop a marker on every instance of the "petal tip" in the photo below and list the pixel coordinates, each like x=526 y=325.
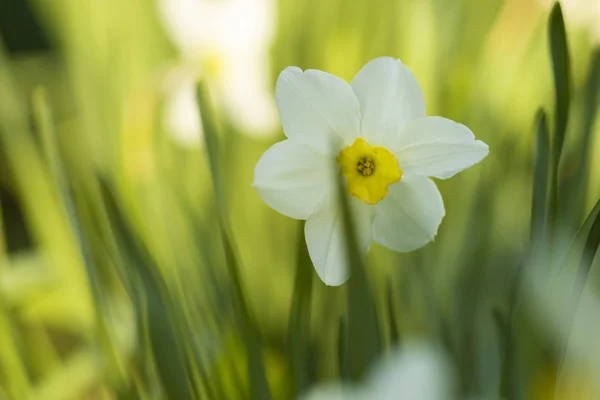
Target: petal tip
x=335 y=283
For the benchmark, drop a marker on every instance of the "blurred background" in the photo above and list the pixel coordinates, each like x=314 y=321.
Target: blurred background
x=129 y=271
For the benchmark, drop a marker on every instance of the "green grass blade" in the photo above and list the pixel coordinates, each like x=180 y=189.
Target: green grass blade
x=44 y=122
x=576 y=173
x=364 y=338
x=343 y=350
x=259 y=387
x=591 y=231
x=539 y=203
x=561 y=69
x=154 y=308
x=394 y=333
x=300 y=313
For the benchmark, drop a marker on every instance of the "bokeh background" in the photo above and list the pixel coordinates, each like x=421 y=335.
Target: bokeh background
x=128 y=270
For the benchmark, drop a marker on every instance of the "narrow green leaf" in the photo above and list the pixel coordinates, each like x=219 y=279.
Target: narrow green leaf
x=591 y=231
x=539 y=203
x=575 y=175
x=44 y=122
x=364 y=338
x=561 y=68
x=343 y=350
x=392 y=319
x=259 y=387
x=154 y=308
x=299 y=325
x=501 y=327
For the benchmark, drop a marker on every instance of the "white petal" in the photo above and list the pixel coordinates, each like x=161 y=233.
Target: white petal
x=293 y=178
x=317 y=108
x=409 y=216
x=326 y=241
x=344 y=391
x=182 y=118
x=418 y=371
x=389 y=96
x=438 y=147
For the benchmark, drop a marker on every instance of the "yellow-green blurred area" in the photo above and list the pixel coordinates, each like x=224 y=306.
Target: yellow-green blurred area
x=117 y=280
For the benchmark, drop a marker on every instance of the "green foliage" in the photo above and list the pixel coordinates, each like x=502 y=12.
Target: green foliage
x=135 y=267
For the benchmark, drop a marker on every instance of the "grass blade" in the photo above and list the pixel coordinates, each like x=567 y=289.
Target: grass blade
x=343 y=350
x=561 y=68
x=575 y=174
x=539 y=203
x=259 y=388
x=299 y=325
x=591 y=231
x=364 y=338
x=392 y=318
x=154 y=309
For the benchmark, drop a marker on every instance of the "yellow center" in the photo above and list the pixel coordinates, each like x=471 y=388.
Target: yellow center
x=368 y=170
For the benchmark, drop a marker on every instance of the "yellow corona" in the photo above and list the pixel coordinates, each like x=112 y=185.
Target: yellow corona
x=368 y=170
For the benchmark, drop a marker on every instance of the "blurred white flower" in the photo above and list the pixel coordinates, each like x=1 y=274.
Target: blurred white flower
x=182 y=118
x=417 y=371
x=385 y=148
x=227 y=43
x=585 y=13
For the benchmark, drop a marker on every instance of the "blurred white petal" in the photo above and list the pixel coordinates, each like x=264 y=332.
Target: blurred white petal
x=229 y=41
x=248 y=93
x=181 y=114
x=229 y=25
x=333 y=391
x=416 y=371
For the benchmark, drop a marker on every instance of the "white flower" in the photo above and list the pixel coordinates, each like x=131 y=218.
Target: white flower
x=227 y=43
x=417 y=371
x=376 y=134
x=181 y=117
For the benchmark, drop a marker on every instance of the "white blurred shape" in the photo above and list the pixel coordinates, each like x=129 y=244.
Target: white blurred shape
x=228 y=40
x=182 y=117
x=229 y=25
x=416 y=371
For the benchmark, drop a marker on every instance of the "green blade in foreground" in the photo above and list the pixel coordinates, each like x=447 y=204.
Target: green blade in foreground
x=343 y=350
x=561 y=68
x=364 y=338
x=590 y=231
x=539 y=203
x=394 y=333
x=299 y=324
x=154 y=310
x=576 y=174
x=259 y=387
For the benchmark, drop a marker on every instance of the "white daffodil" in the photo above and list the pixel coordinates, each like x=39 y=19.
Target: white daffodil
x=227 y=43
x=375 y=133
x=417 y=371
